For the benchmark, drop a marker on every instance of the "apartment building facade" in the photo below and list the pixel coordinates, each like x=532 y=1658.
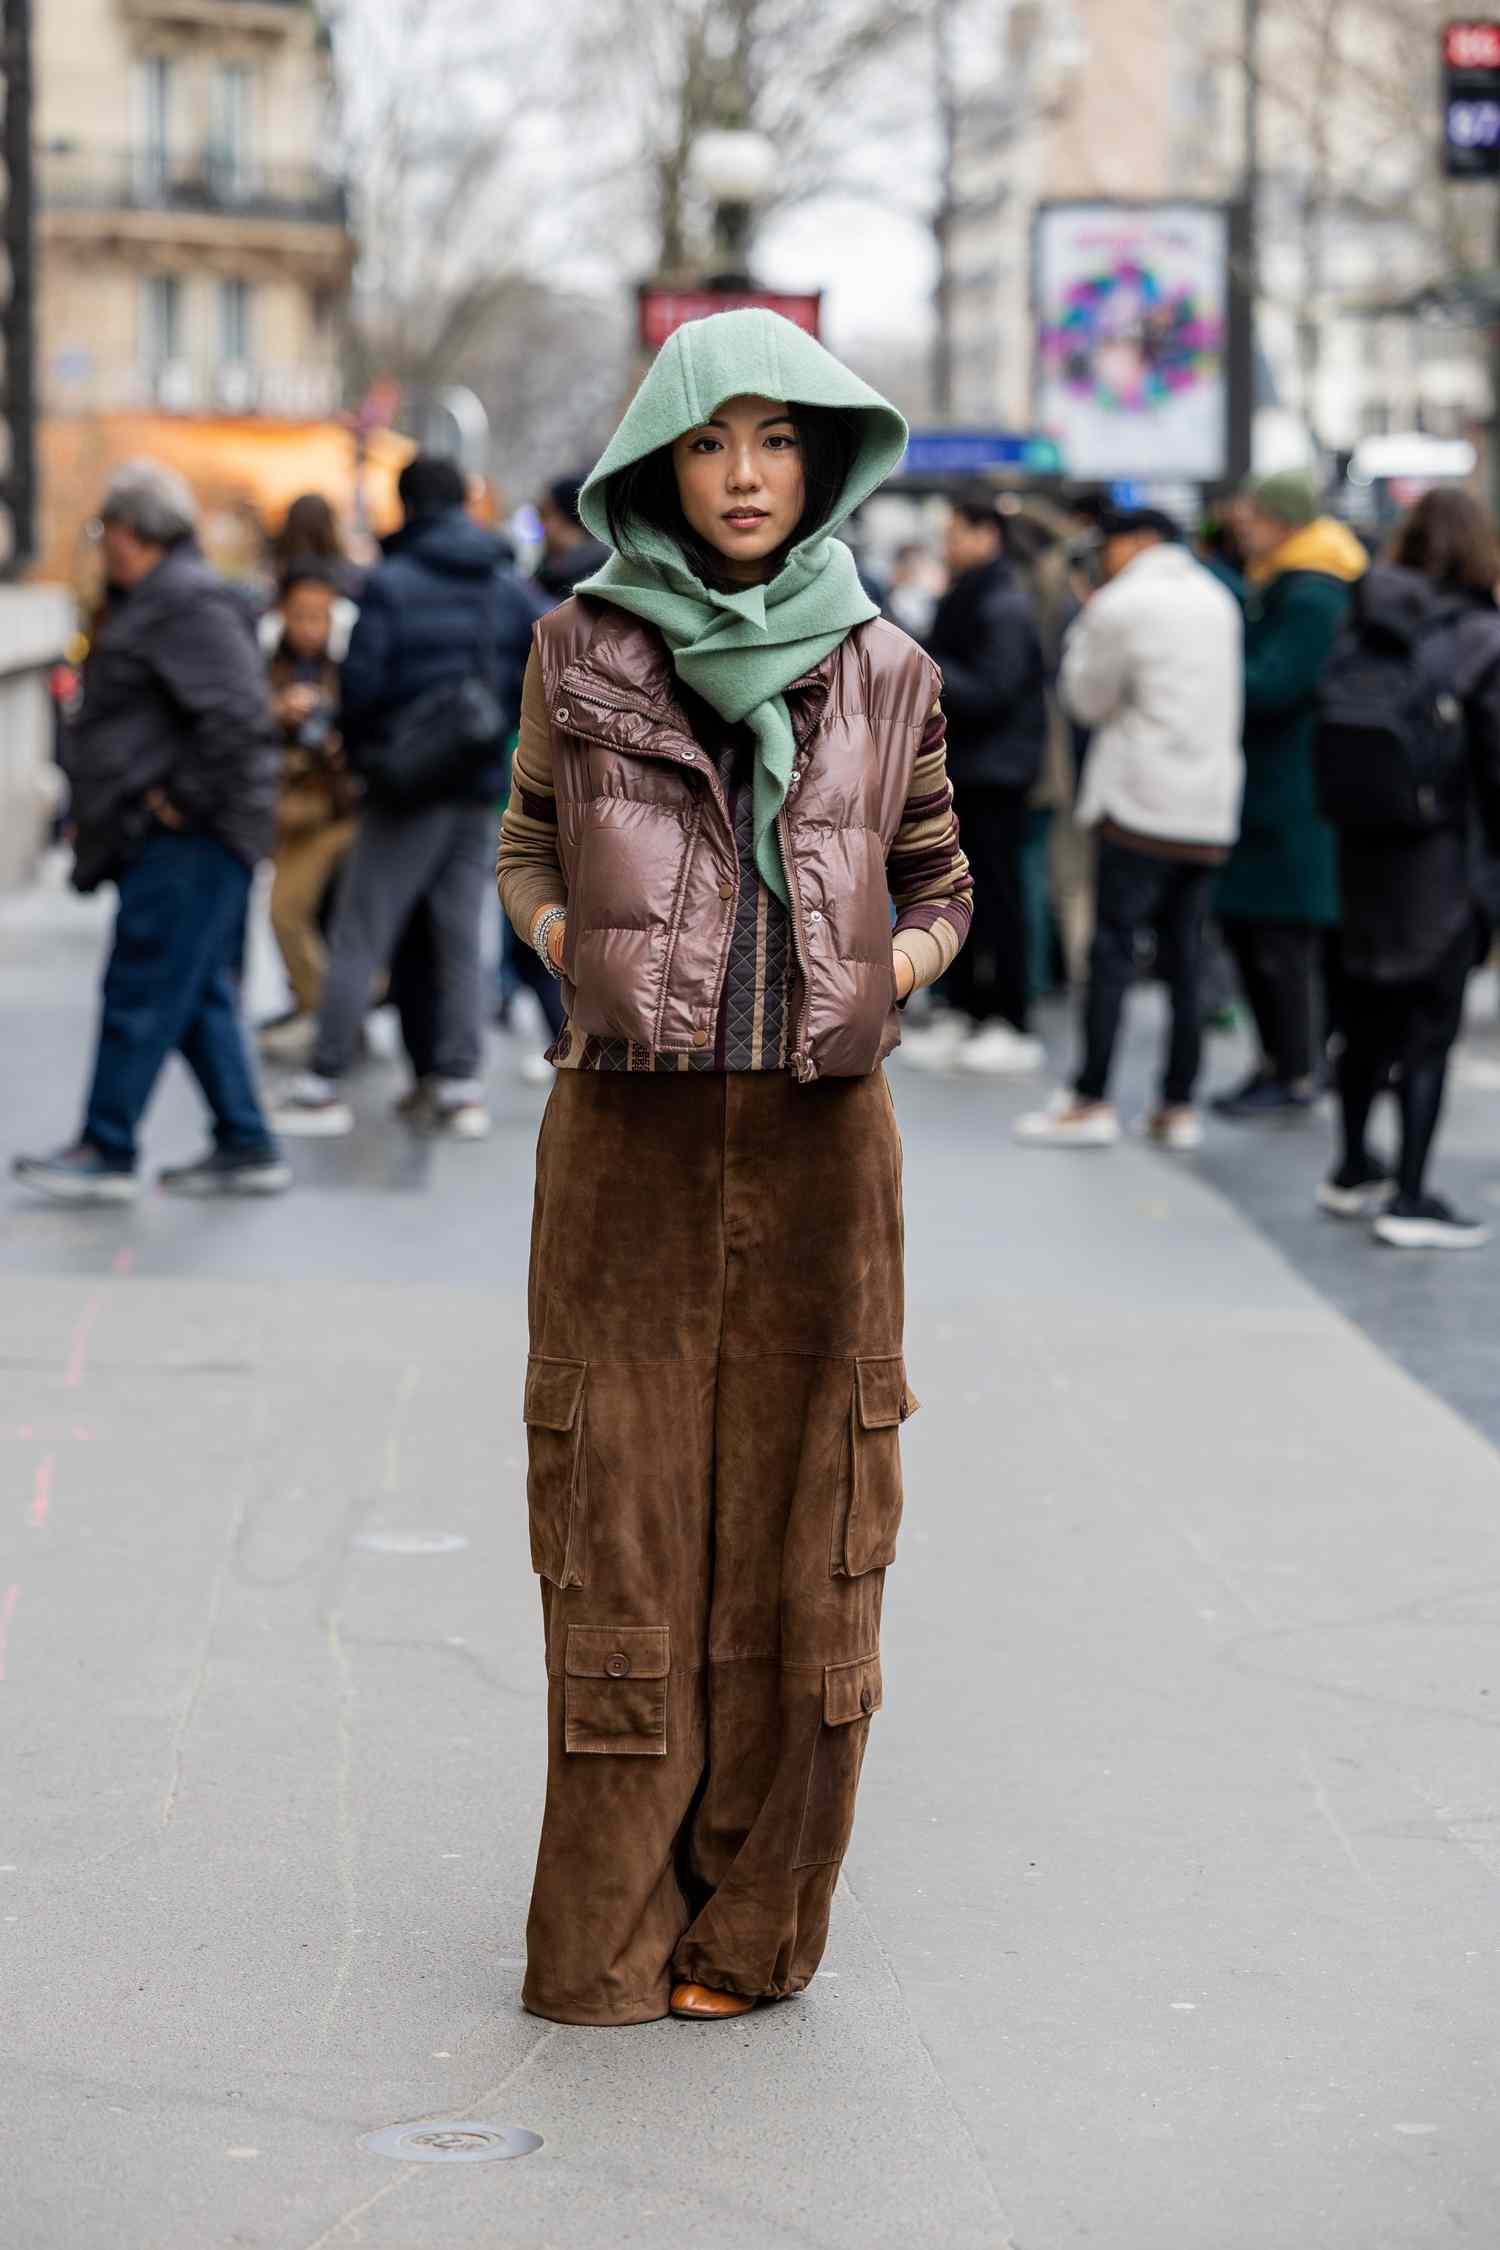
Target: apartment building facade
x=194 y=252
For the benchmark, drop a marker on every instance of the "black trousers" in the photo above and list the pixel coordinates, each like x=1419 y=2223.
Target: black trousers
x=1278 y=967
x=1398 y=1036
x=989 y=979
x=1133 y=892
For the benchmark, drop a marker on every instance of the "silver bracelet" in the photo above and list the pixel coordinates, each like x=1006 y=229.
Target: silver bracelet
x=542 y=933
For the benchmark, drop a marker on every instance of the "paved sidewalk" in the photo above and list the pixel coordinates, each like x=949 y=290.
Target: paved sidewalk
x=1169 y=1919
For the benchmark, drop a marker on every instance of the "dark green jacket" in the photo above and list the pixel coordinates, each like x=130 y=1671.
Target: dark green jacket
x=1284 y=867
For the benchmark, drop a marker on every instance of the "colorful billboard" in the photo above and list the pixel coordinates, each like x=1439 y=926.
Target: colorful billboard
x=1132 y=325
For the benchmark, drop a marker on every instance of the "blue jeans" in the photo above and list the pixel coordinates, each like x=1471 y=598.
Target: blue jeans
x=172 y=983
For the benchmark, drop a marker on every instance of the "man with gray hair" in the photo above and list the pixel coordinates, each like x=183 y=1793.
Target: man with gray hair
x=173 y=767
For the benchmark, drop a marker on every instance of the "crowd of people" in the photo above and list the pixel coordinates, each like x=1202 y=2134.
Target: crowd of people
x=1168 y=754
x=1282 y=750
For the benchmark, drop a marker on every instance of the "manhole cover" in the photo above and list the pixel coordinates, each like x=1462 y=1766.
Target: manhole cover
x=410 y=1542
x=451 y=2140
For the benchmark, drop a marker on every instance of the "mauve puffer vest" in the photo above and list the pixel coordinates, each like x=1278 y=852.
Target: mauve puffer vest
x=648 y=854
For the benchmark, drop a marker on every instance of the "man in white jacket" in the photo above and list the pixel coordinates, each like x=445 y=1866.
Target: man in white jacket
x=1154 y=666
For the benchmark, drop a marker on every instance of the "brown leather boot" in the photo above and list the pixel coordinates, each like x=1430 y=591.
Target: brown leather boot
x=702 y=2004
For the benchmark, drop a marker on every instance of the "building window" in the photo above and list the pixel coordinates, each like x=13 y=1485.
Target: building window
x=153 y=162
x=161 y=322
x=234 y=322
x=234 y=130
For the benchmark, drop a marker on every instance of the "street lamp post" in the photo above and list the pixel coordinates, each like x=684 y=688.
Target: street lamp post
x=18 y=377
x=736 y=170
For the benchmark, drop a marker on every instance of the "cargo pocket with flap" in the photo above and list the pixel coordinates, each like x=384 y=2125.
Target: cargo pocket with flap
x=851 y=1693
x=615 y=1690
x=557 y=1467
x=869 y=1512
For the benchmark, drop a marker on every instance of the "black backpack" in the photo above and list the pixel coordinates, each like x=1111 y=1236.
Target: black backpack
x=1392 y=738
x=434 y=748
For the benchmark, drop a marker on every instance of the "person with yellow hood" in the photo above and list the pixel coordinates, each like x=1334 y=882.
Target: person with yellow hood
x=1279 y=892
x=729 y=767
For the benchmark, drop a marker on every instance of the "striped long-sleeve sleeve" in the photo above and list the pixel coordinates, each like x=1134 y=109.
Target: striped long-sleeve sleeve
x=528 y=870
x=928 y=875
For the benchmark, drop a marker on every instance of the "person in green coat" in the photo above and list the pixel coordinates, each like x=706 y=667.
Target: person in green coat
x=1279 y=891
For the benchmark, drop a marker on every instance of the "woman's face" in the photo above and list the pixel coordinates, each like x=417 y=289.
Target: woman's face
x=740 y=481
x=307 y=618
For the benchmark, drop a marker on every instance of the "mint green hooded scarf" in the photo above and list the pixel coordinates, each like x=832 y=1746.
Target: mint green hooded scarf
x=739 y=650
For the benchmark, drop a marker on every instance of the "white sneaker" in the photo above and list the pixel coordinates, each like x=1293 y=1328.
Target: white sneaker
x=1180 y=1130
x=462 y=1121
x=934 y=1045
x=1068 y=1123
x=1357 y=1199
x=288 y=1039
x=997 y=1050
x=313 y=1110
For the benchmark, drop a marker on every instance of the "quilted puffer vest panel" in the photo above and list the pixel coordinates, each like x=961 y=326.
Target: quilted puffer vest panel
x=648 y=853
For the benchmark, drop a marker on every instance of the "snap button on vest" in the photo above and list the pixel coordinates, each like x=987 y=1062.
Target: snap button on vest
x=700 y=1038
x=618 y=1665
x=726 y=891
x=561 y=714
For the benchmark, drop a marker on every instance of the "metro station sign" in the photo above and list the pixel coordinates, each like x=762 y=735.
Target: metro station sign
x=1471 y=99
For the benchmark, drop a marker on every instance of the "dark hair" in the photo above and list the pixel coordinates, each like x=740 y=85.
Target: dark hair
x=1124 y=523
x=429 y=484
x=976 y=505
x=563 y=493
x=1451 y=539
x=646 y=494
x=309 y=528
x=305 y=570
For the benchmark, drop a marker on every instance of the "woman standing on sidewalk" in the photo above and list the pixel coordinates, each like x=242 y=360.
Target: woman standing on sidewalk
x=728 y=765
x=1409 y=756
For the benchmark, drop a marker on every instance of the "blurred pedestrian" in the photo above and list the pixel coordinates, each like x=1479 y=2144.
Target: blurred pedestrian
x=1153 y=665
x=310 y=533
x=1037 y=542
x=1409 y=773
x=1279 y=893
x=729 y=766
x=429 y=691
x=915 y=587
x=171 y=759
x=315 y=810
x=986 y=642
x=569 y=553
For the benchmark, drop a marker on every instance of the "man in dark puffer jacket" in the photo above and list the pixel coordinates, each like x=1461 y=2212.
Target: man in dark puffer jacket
x=442 y=606
x=172 y=763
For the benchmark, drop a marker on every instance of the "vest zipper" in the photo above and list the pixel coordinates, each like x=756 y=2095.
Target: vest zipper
x=804 y=1069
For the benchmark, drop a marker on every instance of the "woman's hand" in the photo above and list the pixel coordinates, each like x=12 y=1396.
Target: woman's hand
x=905 y=974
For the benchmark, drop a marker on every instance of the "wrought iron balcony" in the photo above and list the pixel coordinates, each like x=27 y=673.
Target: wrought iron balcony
x=204 y=182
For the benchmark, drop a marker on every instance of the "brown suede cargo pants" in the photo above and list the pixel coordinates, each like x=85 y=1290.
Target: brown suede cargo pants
x=713 y=1408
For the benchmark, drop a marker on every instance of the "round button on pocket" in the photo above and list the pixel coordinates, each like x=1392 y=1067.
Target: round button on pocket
x=866 y=1700
x=562 y=714
x=618 y=1665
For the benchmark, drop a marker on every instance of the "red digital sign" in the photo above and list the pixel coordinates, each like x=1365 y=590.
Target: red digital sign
x=664 y=310
x=1472 y=46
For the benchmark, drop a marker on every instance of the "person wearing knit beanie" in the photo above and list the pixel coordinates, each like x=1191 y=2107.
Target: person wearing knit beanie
x=1291 y=496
